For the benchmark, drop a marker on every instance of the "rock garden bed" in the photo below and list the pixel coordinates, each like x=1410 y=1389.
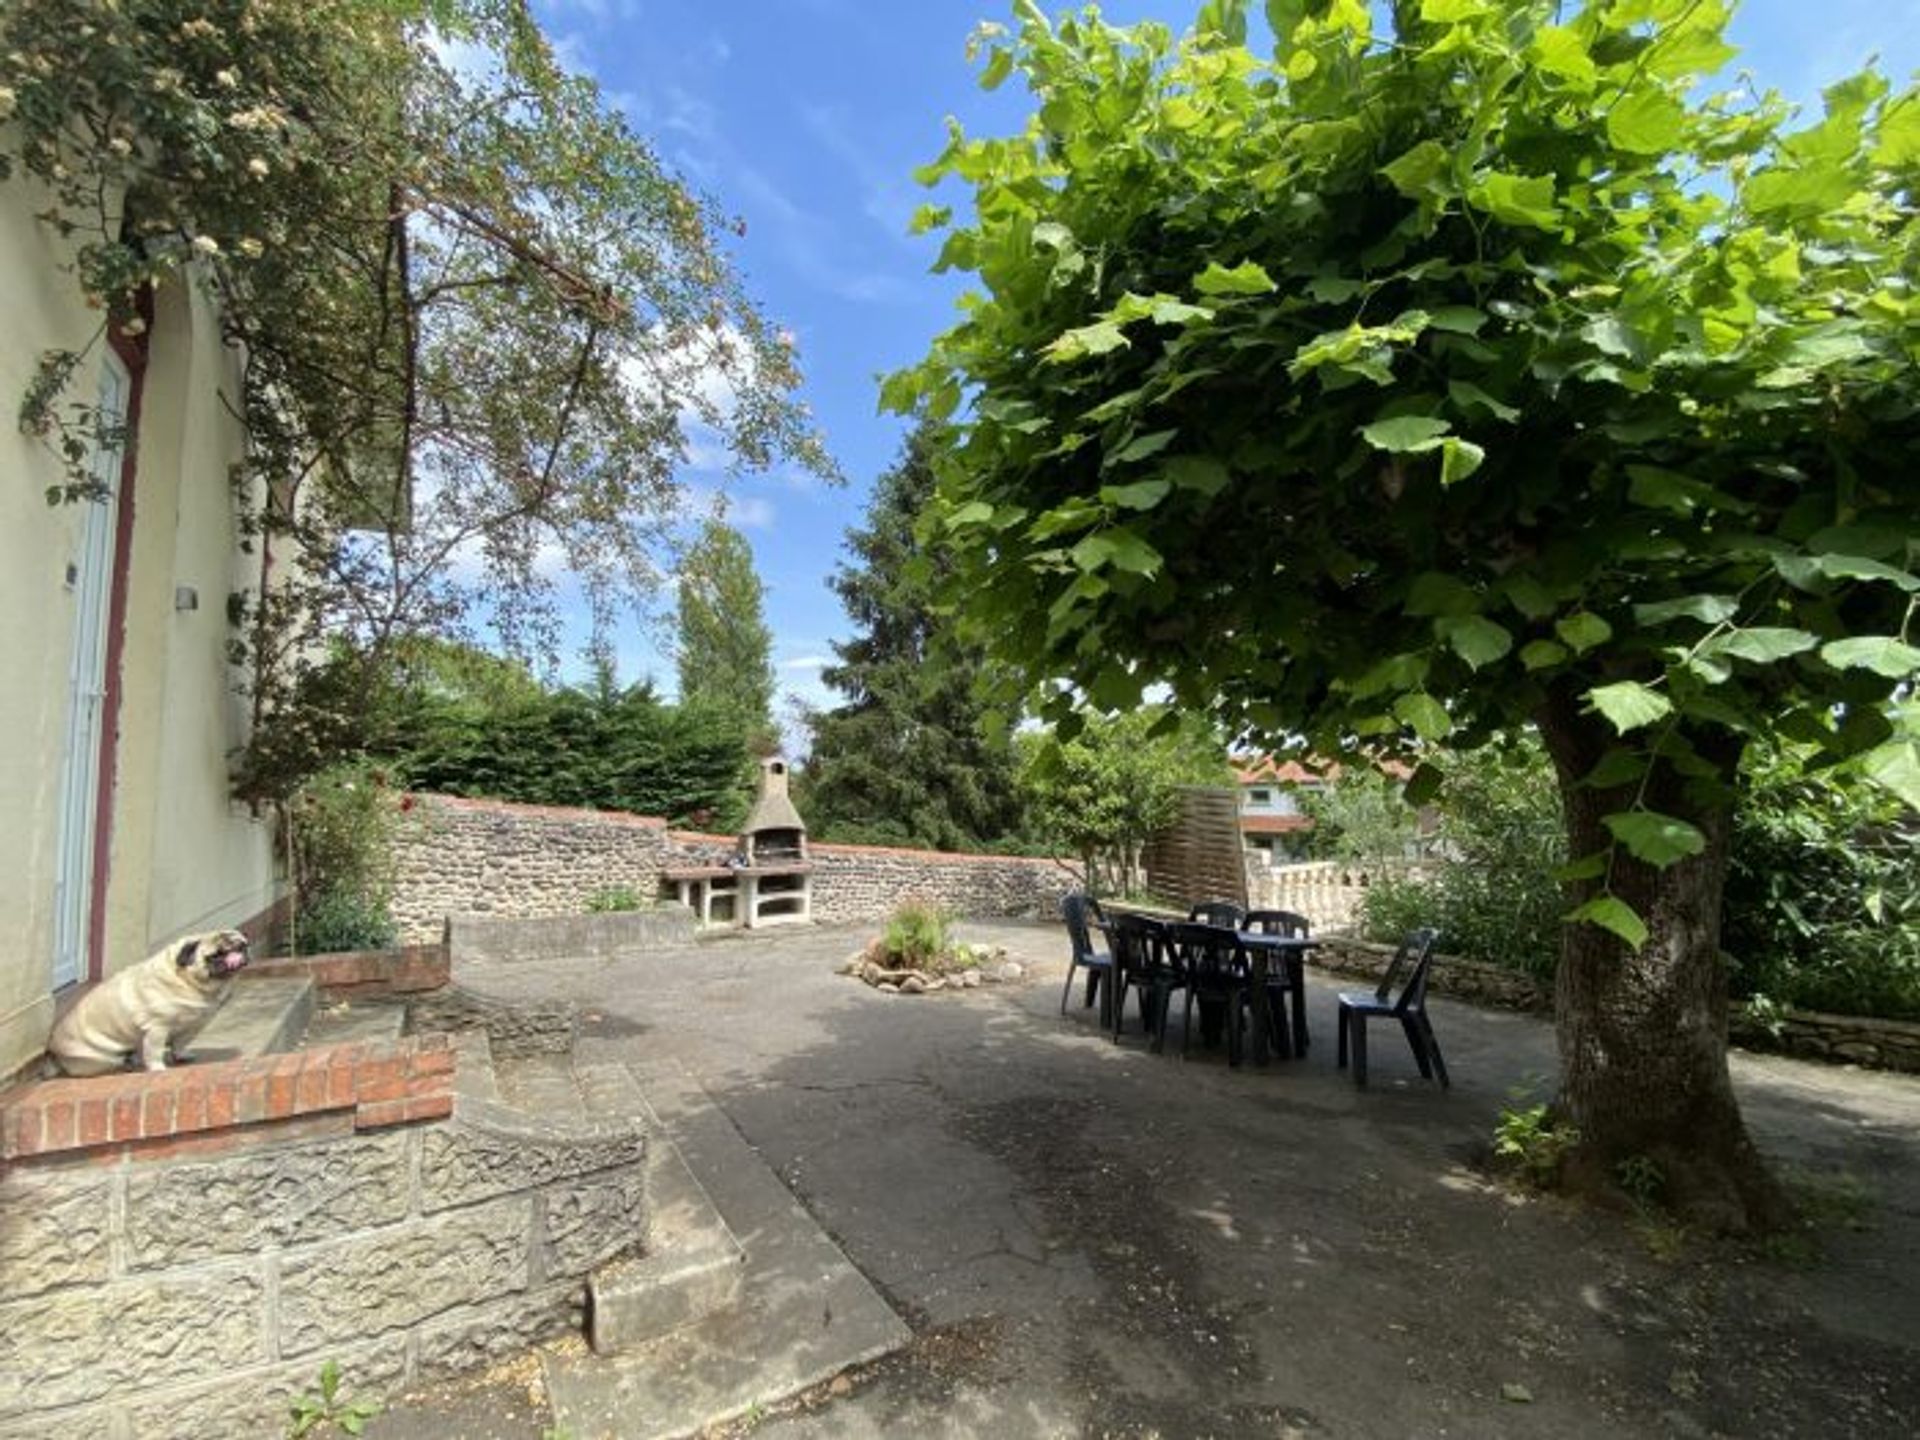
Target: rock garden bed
x=917 y=955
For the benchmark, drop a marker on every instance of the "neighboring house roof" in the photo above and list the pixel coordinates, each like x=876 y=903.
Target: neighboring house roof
x=1265 y=770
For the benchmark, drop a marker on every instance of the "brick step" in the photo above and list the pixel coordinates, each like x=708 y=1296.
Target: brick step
x=260 y=1017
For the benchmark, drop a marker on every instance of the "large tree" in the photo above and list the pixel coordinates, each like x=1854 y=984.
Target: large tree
x=911 y=757
x=1399 y=389
x=475 y=314
x=725 y=650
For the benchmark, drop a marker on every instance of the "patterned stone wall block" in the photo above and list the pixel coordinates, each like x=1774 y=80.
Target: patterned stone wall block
x=592 y=1221
x=251 y=1404
x=54 y=1230
x=280 y=1196
x=468 y=1339
x=67 y=1347
x=470 y=1160
x=389 y=1279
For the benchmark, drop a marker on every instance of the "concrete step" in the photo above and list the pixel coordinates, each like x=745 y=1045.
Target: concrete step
x=260 y=1017
x=340 y=1023
x=543 y=1086
x=802 y=1312
x=691 y=1265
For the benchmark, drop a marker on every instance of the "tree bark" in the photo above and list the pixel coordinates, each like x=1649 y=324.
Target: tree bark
x=1643 y=1037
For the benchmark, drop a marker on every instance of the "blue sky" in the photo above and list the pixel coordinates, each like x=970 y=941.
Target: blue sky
x=806 y=119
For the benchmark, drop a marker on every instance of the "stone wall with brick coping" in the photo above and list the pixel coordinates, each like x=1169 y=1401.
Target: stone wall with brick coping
x=490 y=858
x=180 y=1253
x=856 y=883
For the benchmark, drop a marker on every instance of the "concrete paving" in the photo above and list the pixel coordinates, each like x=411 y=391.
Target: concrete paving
x=1087 y=1239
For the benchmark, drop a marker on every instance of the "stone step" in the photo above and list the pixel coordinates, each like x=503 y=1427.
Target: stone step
x=542 y=1086
x=341 y=1023
x=692 y=1264
x=801 y=1314
x=260 y=1017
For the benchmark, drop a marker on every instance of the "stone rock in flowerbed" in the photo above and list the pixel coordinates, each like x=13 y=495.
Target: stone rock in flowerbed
x=963 y=967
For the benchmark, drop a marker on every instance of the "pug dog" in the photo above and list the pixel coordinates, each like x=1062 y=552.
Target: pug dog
x=150 y=1008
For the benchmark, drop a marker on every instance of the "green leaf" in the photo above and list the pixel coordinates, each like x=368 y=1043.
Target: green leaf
x=974 y=512
x=1659 y=489
x=1559 y=50
x=1140 y=495
x=1144 y=446
x=1518 y=199
x=1582 y=631
x=1469 y=396
x=1647 y=122
x=1882 y=654
x=1133 y=554
x=1629 y=704
x=1457 y=320
x=999 y=66
x=1539 y=654
x=1458 y=459
x=1761 y=644
x=1610 y=912
x=1096 y=339
x=1895 y=766
x=1414 y=173
x=1196 y=472
x=1433 y=593
x=1475 y=639
x=1858 y=567
x=1659 y=840
x=1246 y=278
x=1404 y=432
x=1587 y=867
x=1616 y=768
x=1396 y=672
x=1426 y=715
x=929 y=217
x=1707 y=609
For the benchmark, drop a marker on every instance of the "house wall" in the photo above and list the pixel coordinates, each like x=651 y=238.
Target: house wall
x=180 y=857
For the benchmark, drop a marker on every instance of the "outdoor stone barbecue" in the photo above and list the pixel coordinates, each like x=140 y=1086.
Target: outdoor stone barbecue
x=768 y=880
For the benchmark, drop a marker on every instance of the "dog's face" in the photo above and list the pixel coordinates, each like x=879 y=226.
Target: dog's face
x=211 y=958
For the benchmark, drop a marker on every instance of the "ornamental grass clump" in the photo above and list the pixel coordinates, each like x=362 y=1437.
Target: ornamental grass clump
x=919 y=937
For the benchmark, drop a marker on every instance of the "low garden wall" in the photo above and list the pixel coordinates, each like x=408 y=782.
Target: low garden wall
x=491 y=859
x=1803 y=1034
x=1327 y=892
x=181 y=1252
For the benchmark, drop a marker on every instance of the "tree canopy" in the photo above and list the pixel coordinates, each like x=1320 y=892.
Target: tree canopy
x=725 y=648
x=1406 y=387
x=911 y=757
x=476 y=314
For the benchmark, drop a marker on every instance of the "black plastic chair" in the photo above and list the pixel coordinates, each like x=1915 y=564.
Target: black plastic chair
x=1143 y=961
x=1217 y=971
x=1078 y=910
x=1280 y=986
x=1409 y=1007
x=1216 y=912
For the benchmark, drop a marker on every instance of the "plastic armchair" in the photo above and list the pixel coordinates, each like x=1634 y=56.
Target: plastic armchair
x=1408 y=1006
x=1078 y=910
x=1217 y=912
x=1143 y=961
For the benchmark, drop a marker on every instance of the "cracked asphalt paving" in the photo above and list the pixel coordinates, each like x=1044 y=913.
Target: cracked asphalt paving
x=1090 y=1240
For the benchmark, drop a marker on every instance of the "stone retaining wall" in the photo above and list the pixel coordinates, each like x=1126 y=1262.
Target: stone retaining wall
x=190 y=1288
x=1803 y=1034
x=1452 y=976
x=493 y=859
x=488 y=857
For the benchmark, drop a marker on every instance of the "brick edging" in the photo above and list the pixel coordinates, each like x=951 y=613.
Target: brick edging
x=363 y=1085
x=406 y=970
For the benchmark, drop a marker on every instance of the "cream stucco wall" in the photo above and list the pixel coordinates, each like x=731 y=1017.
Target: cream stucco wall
x=182 y=857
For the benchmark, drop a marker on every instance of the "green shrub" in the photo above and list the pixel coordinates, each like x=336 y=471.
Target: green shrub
x=614 y=900
x=1823 y=892
x=343 y=920
x=916 y=936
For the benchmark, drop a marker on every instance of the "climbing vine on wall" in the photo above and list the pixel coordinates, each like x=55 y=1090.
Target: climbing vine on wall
x=476 y=317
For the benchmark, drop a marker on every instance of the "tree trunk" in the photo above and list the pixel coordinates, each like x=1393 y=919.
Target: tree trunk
x=1643 y=1037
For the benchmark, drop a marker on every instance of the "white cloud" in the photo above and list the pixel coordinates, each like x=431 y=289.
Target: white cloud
x=806 y=662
